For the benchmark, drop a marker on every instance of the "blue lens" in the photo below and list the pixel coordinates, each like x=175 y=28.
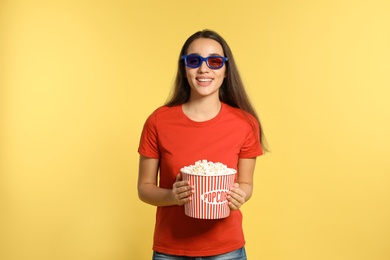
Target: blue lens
x=193 y=61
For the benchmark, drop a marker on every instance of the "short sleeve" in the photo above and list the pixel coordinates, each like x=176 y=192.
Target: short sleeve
x=251 y=146
x=148 y=145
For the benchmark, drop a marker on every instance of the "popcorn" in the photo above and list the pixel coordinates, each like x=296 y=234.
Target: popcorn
x=203 y=167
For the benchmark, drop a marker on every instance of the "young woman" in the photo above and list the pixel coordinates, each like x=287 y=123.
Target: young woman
x=208 y=117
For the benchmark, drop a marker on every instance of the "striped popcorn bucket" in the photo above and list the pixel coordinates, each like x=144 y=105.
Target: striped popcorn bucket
x=209 y=199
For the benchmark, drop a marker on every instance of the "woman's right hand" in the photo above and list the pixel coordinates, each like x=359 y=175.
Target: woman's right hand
x=181 y=191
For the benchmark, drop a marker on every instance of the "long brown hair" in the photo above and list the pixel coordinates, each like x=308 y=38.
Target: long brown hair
x=231 y=92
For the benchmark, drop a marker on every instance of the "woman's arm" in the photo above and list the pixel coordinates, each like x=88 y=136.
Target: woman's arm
x=149 y=192
x=241 y=191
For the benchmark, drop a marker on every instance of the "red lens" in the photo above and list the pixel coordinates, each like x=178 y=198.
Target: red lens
x=215 y=62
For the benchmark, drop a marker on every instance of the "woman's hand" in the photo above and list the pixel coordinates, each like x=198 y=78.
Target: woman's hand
x=181 y=191
x=236 y=197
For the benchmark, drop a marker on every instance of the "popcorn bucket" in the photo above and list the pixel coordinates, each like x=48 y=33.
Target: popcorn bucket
x=209 y=199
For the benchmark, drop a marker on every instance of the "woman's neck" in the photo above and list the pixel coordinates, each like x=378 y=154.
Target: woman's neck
x=201 y=109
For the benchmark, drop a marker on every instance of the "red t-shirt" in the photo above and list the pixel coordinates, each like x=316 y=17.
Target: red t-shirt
x=177 y=141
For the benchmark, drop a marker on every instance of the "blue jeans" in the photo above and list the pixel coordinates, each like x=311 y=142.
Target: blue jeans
x=234 y=255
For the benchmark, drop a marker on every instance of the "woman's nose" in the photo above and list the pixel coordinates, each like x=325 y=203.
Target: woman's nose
x=203 y=67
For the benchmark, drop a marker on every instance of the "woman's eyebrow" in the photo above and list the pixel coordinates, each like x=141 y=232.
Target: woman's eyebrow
x=215 y=54
x=210 y=54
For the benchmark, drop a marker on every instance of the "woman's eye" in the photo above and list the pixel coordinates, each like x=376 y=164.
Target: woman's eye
x=215 y=61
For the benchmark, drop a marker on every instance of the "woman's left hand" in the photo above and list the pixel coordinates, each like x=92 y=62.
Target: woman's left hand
x=236 y=197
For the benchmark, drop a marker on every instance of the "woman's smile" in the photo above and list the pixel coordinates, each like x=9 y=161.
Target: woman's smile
x=204 y=82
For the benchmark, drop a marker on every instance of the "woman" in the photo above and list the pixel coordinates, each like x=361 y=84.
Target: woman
x=209 y=117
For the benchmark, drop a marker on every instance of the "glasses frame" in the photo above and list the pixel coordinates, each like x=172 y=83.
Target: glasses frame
x=204 y=59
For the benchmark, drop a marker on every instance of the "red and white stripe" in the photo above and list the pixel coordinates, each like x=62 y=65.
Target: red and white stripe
x=209 y=200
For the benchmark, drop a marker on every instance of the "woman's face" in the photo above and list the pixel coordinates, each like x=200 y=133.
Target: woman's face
x=203 y=80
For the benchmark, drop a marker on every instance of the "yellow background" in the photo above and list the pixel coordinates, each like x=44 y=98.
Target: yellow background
x=78 y=79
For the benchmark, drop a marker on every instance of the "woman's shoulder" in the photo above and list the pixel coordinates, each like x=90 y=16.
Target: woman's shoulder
x=163 y=112
x=164 y=109
x=238 y=112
